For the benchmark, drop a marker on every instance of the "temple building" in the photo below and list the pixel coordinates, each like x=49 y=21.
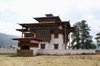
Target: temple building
x=49 y=33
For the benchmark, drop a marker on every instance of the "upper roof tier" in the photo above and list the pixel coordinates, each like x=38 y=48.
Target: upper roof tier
x=48 y=18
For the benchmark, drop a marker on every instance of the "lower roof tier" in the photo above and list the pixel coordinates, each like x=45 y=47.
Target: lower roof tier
x=29 y=38
x=46 y=24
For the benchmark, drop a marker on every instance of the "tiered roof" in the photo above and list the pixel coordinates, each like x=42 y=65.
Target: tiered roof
x=48 y=21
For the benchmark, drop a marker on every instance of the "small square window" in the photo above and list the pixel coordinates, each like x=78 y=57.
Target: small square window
x=42 y=46
x=56 y=46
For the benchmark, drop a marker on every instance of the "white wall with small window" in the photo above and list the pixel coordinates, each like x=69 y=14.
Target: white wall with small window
x=53 y=42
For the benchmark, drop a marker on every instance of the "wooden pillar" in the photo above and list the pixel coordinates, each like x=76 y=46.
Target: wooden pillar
x=22 y=31
x=65 y=36
x=69 y=37
x=69 y=40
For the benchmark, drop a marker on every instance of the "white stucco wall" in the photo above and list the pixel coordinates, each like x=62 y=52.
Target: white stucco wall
x=35 y=50
x=8 y=51
x=50 y=45
x=50 y=51
x=64 y=52
x=58 y=40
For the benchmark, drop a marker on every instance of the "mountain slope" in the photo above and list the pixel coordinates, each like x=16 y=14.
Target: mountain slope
x=6 y=40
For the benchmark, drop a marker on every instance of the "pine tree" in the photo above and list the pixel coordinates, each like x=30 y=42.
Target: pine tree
x=76 y=36
x=98 y=39
x=82 y=37
x=85 y=37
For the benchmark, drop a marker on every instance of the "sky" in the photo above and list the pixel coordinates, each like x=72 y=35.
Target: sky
x=13 y=12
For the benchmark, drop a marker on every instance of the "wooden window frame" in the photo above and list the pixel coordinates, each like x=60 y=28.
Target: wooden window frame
x=42 y=46
x=56 y=34
x=56 y=46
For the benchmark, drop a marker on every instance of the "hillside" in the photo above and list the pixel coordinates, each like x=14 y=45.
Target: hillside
x=6 y=40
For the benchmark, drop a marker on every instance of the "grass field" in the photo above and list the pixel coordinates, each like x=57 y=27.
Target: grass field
x=46 y=60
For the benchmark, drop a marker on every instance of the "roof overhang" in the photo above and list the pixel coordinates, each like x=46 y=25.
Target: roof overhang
x=56 y=24
x=21 y=30
x=42 y=19
x=33 y=25
x=19 y=39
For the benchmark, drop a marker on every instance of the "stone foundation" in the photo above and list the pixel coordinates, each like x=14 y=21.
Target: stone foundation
x=25 y=52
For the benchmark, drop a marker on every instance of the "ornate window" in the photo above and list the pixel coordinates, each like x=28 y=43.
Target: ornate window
x=28 y=35
x=43 y=33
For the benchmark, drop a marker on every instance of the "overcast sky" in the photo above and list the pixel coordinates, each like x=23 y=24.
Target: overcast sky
x=22 y=11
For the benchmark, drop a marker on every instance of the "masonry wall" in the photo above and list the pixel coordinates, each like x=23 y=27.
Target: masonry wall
x=65 y=52
x=8 y=51
x=50 y=51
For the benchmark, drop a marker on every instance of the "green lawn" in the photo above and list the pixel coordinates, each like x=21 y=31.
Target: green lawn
x=46 y=60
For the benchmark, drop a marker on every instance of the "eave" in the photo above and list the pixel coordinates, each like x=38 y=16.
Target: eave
x=21 y=30
x=39 y=19
x=34 y=25
x=30 y=38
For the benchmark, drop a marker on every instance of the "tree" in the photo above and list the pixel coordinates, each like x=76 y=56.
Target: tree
x=81 y=36
x=85 y=36
x=89 y=44
x=98 y=39
x=0 y=45
x=76 y=36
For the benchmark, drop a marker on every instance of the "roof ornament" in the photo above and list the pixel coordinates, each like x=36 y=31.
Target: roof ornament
x=49 y=15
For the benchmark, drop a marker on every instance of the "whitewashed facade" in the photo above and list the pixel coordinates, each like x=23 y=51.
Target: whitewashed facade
x=50 y=45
